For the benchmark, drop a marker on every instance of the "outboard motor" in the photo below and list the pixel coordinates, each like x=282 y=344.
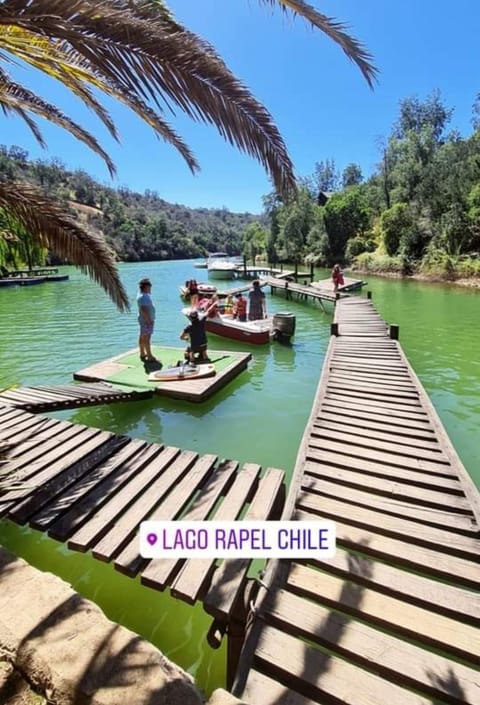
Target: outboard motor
x=283 y=326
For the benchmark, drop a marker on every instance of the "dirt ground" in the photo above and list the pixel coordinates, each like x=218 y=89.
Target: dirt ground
x=14 y=690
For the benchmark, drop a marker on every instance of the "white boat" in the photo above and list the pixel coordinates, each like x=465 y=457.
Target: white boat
x=220 y=266
x=281 y=327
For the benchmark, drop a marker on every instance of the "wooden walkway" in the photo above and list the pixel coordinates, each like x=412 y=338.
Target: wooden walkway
x=91 y=489
x=43 y=398
x=301 y=291
x=395 y=616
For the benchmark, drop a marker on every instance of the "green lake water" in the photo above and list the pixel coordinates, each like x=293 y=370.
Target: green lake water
x=49 y=331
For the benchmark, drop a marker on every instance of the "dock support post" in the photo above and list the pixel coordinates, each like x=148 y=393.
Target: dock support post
x=334 y=329
x=311 y=271
x=394 y=331
x=244 y=266
x=369 y=294
x=236 y=630
x=288 y=293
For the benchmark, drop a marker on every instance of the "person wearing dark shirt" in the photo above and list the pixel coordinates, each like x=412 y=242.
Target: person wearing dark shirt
x=195 y=333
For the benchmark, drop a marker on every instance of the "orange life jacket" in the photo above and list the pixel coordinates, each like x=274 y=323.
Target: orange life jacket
x=241 y=306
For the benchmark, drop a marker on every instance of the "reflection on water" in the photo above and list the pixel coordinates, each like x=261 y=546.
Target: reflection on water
x=260 y=416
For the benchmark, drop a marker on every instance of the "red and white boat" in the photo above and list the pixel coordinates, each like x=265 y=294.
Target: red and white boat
x=281 y=327
x=254 y=332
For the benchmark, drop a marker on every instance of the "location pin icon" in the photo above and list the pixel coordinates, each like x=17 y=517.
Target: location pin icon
x=152 y=539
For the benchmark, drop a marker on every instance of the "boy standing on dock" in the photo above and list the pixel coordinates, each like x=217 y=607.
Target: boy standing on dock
x=146 y=320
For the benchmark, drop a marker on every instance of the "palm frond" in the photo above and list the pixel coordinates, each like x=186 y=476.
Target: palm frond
x=149 y=56
x=337 y=31
x=48 y=226
x=14 y=97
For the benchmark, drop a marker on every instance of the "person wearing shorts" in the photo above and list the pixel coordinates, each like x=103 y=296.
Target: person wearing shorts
x=146 y=320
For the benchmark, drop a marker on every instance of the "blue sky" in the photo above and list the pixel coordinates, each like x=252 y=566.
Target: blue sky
x=318 y=98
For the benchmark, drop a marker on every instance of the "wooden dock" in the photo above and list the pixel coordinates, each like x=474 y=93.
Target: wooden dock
x=128 y=371
x=53 y=398
x=91 y=489
x=394 y=617
x=302 y=292
x=259 y=270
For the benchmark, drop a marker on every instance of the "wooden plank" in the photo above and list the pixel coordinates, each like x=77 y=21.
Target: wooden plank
x=260 y=688
x=45 y=467
x=389 y=443
x=428 y=561
x=430 y=628
x=380 y=405
x=432 y=516
x=53 y=441
x=389 y=399
x=332 y=402
x=390 y=657
x=440 y=481
x=34 y=504
x=395 y=488
x=73 y=487
x=365 y=370
x=27 y=435
x=399 y=457
x=129 y=560
x=92 y=492
x=194 y=573
x=450 y=600
x=105 y=518
x=228 y=579
x=128 y=521
x=158 y=572
x=317 y=674
x=338 y=374
x=381 y=390
x=409 y=531
x=365 y=425
x=14 y=431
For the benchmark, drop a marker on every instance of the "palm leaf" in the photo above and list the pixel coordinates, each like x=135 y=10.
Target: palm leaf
x=336 y=31
x=49 y=227
x=18 y=99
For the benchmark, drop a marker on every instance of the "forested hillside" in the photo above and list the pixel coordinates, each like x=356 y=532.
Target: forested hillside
x=137 y=226
x=419 y=212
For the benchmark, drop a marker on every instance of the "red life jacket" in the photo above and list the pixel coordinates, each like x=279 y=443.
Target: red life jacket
x=241 y=306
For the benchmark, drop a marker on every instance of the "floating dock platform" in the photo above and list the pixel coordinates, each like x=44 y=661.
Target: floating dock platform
x=128 y=370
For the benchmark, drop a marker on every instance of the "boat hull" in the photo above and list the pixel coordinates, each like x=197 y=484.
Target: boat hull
x=252 y=332
x=224 y=273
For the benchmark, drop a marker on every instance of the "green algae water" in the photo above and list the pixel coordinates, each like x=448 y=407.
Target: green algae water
x=49 y=331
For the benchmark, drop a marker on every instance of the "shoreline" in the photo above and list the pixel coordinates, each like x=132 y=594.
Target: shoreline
x=465 y=282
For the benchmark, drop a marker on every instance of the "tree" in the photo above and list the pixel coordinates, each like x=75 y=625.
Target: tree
x=346 y=215
x=416 y=115
x=133 y=50
x=352 y=176
x=325 y=176
x=254 y=241
x=396 y=223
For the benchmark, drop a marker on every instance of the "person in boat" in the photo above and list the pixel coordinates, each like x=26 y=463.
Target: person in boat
x=192 y=287
x=210 y=306
x=337 y=277
x=256 y=306
x=240 y=310
x=228 y=305
x=196 y=334
x=146 y=320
